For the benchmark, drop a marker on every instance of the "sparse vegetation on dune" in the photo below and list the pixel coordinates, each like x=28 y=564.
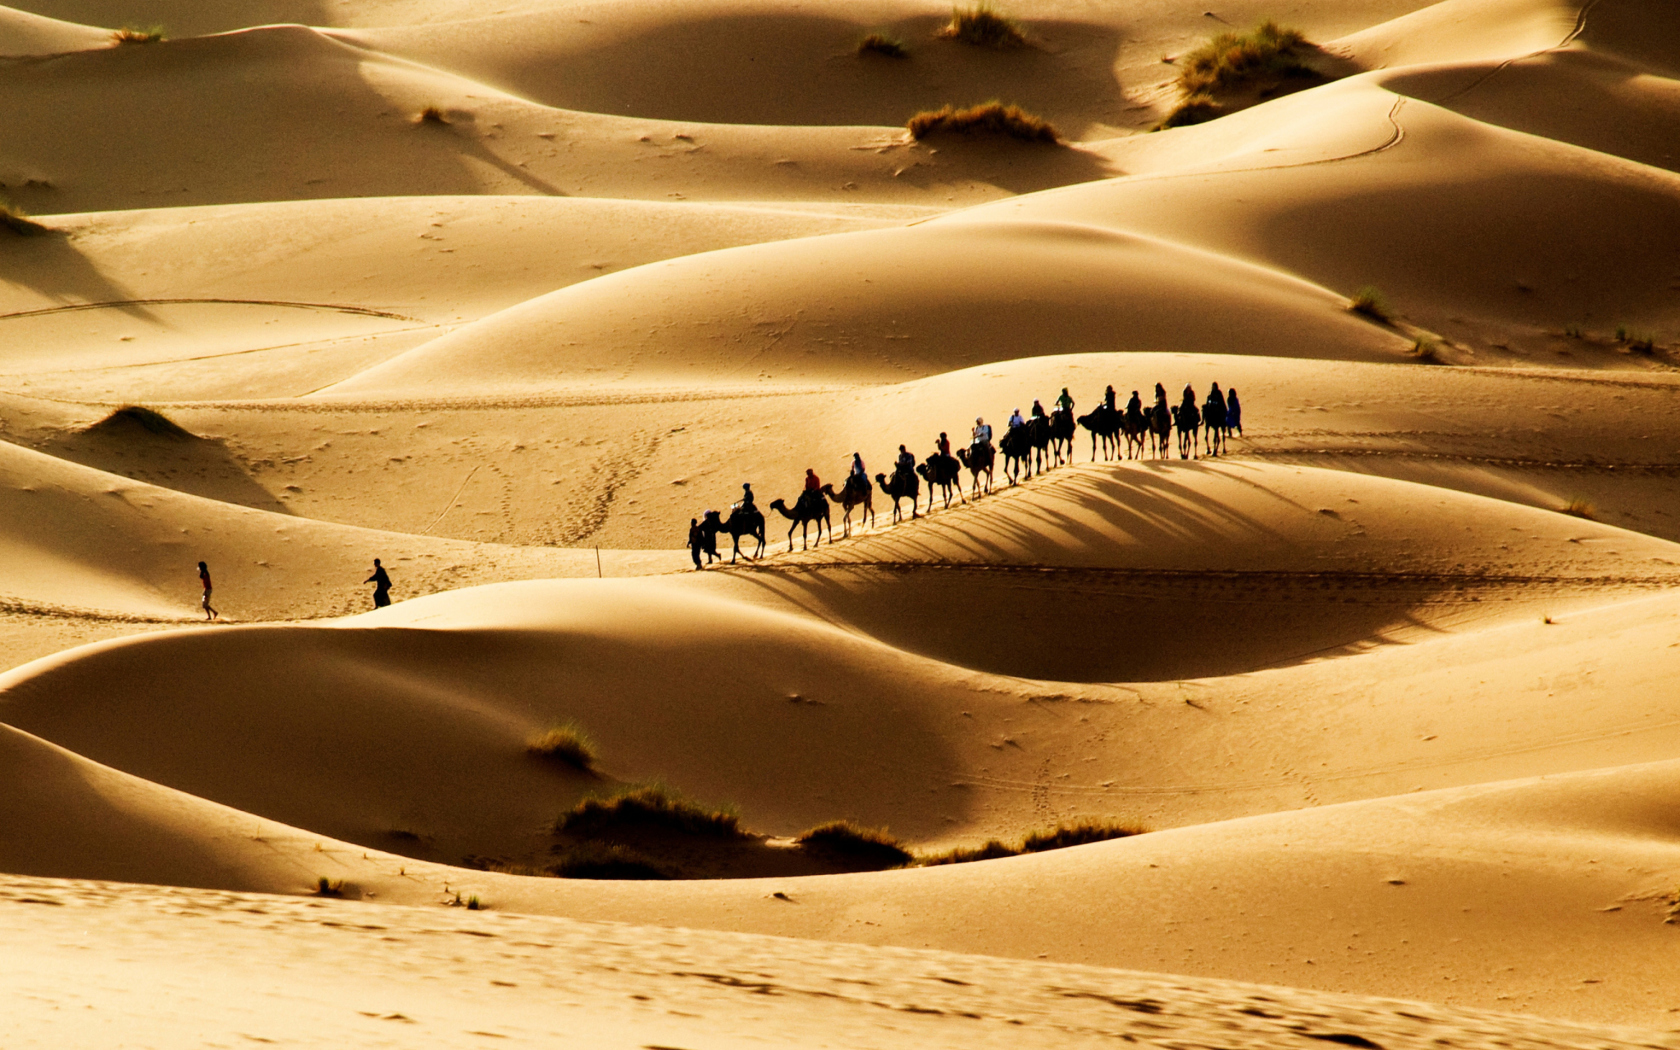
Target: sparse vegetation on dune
x=882 y=45
x=1581 y=508
x=651 y=807
x=148 y=419
x=1427 y=351
x=1369 y=301
x=606 y=861
x=990 y=119
x=567 y=744
x=136 y=35
x=843 y=839
x=1074 y=833
x=17 y=221
x=1231 y=61
x=325 y=887
x=1197 y=109
x=431 y=115
x=982 y=26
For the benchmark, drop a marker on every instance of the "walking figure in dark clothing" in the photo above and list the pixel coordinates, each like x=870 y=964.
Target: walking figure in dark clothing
x=699 y=543
x=204 y=578
x=381 y=581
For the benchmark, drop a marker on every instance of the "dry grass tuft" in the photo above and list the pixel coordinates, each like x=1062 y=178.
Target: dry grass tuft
x=1370 y=302
x=16 y=220
x=990 y=118
x=567 y=744
x=136 y=35
x=431 y=115
x=610 y=861
x=1234 y=60
x=982 y=26
x=1581 y=508
x=651 y=807
x=843 y=839
x=1427 y=351
x=883 y=45
x=993 y=850
x=325 y=887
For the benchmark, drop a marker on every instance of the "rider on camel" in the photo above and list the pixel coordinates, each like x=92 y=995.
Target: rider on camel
x=906 y=462
x=943 y=445
x=1135 y=404
x=1037 y=410
x=982 y=433
x=747 y=497
x=1108 y=397
x=812 y=484
x=1015 y=420
x=1064 y=403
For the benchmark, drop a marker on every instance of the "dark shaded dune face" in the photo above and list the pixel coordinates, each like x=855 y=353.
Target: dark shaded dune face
x=1094 y=625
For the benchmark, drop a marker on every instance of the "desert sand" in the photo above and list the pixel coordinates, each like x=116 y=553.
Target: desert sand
x=504 y=297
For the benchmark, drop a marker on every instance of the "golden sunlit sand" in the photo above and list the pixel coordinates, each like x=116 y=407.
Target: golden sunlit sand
x=1362 y=731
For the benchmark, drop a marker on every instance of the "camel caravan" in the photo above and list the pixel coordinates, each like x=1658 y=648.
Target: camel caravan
x=1031 y=444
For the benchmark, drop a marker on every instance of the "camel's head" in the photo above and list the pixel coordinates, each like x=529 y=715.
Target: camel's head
x=778 y=504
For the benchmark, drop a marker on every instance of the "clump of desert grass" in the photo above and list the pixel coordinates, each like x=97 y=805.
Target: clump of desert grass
x=432 y=115
x=1196 y=109
x=16 y=220
x=843 y=840
x=1370 y=302
x=325 y=887
x=1581 y=508
x=983 y=26
x=1072 y=833
x=149 y=420
x=1231 y=61
x=992 y=119
x=882 y=45
x=137 y=35
x=1637 y=342
x=1427 y=351
x=649 y=807
x=566 y=744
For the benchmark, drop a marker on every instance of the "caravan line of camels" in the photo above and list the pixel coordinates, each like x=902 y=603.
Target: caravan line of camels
x=1031 y=444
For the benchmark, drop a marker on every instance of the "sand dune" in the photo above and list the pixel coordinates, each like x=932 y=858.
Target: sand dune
x=1391 y=684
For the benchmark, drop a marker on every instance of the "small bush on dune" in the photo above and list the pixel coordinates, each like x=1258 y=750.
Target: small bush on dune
x=843 y=839
x=325 y=887
x=1427 y=351
x=1233 y=60
x=883 y=45
x=16 y=220
x=1197 y=109
x=431 y=115
x=135 y=35
x=652 y=807
x=1581 y=508
x=981 y=26
x=567 y=744
x=991 y=118
x=1370 y=302
x=1074 y=833
x=148 y=419
x=1077 y=833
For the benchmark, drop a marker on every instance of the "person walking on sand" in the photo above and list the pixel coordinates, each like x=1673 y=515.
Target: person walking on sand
x=696 y=540
x=381 y=581
x=204 y=578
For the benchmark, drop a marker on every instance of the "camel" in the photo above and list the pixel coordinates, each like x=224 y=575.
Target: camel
x=1213 y=425
x=1160 y=429
x=1061 y=434
x=1016 y=447
x=1189 y=422
x=809 y=507
x=742 y=522
x=944 y=472
x=857 y=491
x=1103 y=423
x=1038 y=437
x=1134 y=424
x=979 y=460
x=903 y=484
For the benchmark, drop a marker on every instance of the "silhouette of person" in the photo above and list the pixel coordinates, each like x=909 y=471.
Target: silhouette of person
x=1233 y=411
x=812 y=482
x=1065 y=401
x=204 y=578
x=943 y=445
x=1160 y=394
x=1037 y=409
x=696 y=540
x=1015 y=420
x=982 y=432
x=1135 y=404
x=1108 y=397
x=381 y=581
x=747 y=496
x=858 y=469
x=905 y=462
